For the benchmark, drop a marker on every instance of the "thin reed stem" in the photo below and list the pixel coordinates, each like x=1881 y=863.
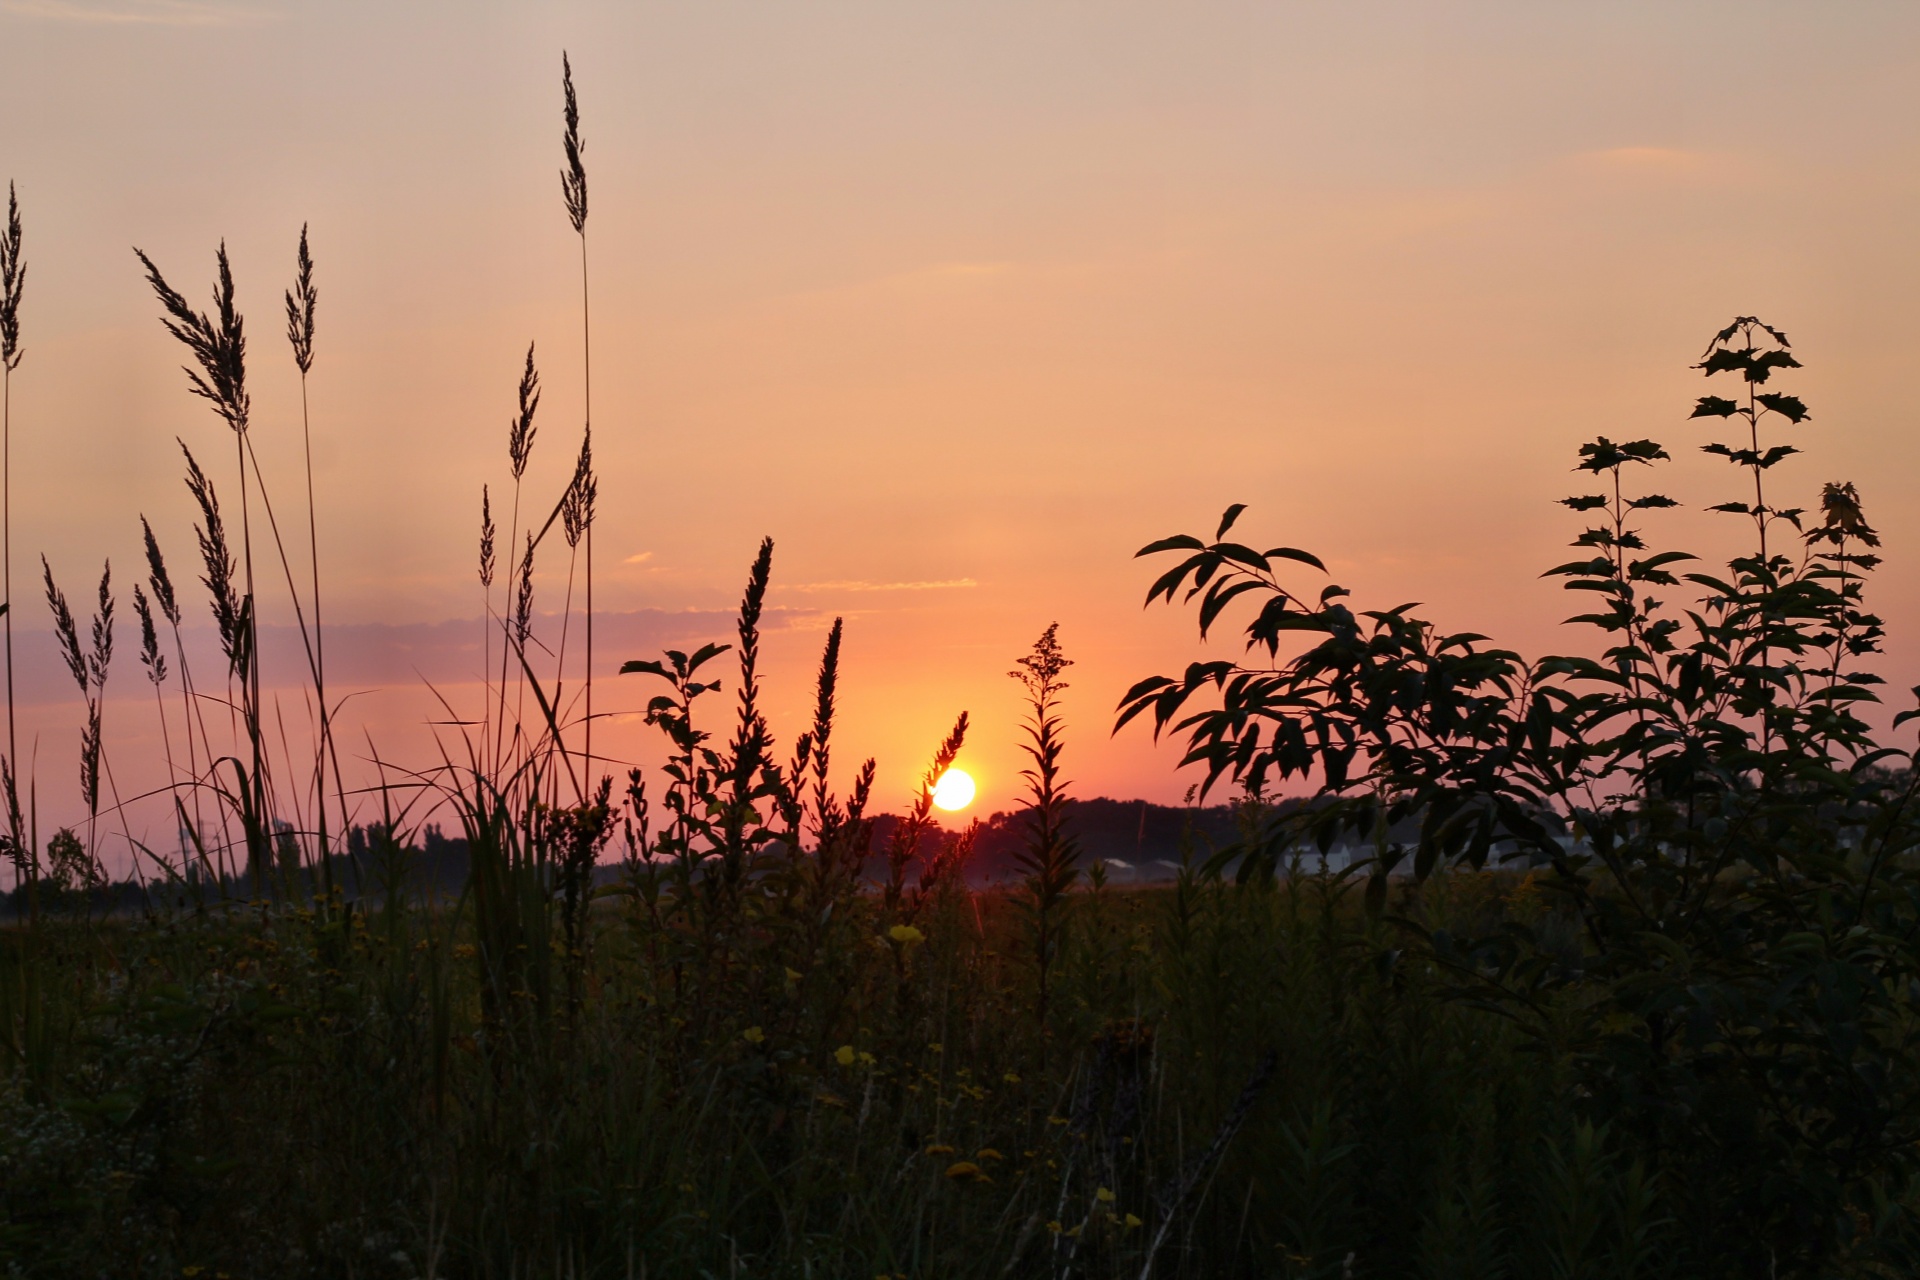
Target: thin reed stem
x=13 y=273
x=302 y=301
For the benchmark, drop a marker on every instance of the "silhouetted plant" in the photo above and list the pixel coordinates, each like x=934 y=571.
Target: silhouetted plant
x=1721 y=824
x=1051 y=858
x=303 y=301
x=905 y=844
x=89 y=670
x=13 y=282
x=573 y=187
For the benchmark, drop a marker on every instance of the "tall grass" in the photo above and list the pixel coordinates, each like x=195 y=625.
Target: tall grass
x=1051 y=858
x=13 y=281
x=753 y=1088
x=573 y=188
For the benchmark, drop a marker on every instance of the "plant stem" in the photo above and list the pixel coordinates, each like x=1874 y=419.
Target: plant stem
x=586 y=331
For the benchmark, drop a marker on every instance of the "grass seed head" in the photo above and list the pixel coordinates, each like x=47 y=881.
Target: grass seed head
x=573 y=178
x=520 y=434
x=13 y=283
x=218 y=342
x=301 y=300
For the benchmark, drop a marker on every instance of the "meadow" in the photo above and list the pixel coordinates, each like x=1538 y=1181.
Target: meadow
x=1616 y=978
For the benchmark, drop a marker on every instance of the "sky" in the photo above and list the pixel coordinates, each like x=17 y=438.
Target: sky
x=961 y=304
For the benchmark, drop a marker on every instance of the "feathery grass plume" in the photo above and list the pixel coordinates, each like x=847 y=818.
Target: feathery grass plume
x=160 y=583
x=486 y=613
x=573 y=178
x=90 y=766
x=89 y=672
x=157 y=577
x=486 y=538
x=13 y=283
x=19 y=851
x=573 y=186
x=150 y=656
x=1051 y=857
x=218 y=341
x=576 y=515
x=523 y=605
x=65 y=630
x=520 y=434
x=576 y=509
x=229 y=610
x=92 y=746
x=218 y=344
x=156 y=664
x=301 y=301
x=102 y=653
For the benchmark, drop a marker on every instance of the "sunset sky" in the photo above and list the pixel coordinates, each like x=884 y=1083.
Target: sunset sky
x=960 y=303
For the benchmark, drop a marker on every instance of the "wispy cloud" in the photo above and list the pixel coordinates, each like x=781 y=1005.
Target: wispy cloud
x=944 y=584
x=143 y=13
x=638 y=557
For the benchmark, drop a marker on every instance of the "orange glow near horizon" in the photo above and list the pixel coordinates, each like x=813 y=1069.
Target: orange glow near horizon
x=961 y=305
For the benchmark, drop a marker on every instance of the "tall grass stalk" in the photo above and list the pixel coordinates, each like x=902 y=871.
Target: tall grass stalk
x=573 y=188
x=513 y=623
x=13 y=279
x=218 y=345
x=89 y=672
x=193 y=714
x=1051 y=858
x=302 y=301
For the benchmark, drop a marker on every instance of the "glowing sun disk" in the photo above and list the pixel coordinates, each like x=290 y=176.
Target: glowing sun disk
x=954 y=790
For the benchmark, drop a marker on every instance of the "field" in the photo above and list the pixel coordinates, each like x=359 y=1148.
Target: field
x=1228 y=1082
x=1619 y=977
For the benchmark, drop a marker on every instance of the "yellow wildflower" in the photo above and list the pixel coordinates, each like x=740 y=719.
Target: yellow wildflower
x=987 y=1153
x=939 y=1149
x=906 y=935
x=844 y=1055
x=753 y=1035
x=1132 y=1222
x=1104 y=1196
x=968 y=1171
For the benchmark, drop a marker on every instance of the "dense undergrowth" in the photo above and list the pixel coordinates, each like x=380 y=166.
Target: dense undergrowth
x=1239 y=1079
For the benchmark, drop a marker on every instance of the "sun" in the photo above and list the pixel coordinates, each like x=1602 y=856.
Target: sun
x=954 y=790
